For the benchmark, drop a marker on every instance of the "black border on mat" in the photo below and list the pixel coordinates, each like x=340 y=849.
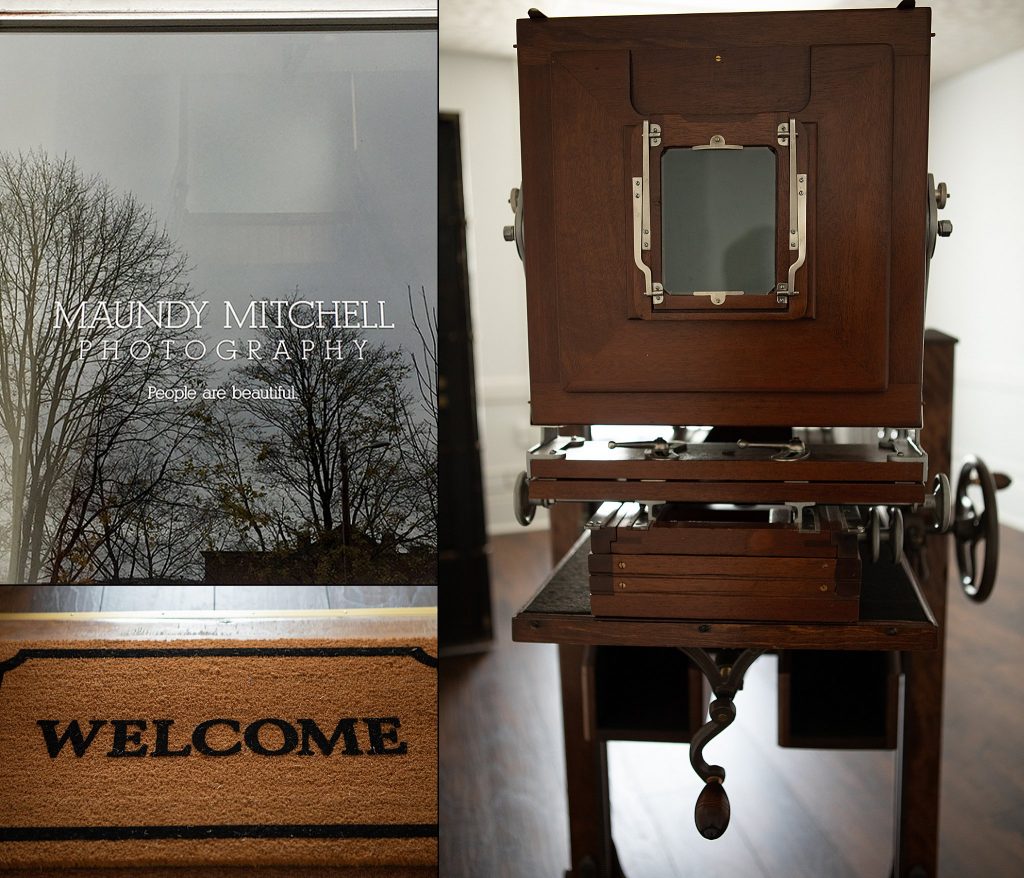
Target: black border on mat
x=223 y=831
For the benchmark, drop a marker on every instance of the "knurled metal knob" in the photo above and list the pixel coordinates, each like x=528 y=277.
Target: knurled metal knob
x=941 y=195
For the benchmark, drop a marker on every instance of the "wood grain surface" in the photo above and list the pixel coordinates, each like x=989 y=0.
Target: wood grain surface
x=589 y=361
x=796 y=813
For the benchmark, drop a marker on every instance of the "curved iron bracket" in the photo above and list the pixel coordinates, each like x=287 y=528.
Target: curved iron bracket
x=724 y=672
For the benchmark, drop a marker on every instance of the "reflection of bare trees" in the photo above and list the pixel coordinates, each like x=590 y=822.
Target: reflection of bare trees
x=280 y=466
x=98 y=483
x=420 y=420
x=131 y=508
x=84 y=451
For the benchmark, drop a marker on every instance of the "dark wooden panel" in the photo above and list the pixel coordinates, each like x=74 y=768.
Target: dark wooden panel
x=908 y=31
x=352 y=597
x=716 y=565
x=848 y=340
x=727 y=492
x=721 y=460
x=918 y=778
x=735 y=541
x=910 y=188
x=739 y=607
x=750 y=587
x=713 y=80
x=126 y=598
x=580 y=338
x=899 y=406
x=838 y=700
x=643 y=694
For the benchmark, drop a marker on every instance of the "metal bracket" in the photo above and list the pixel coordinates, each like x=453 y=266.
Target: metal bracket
x=718 y=296
x=717 y=141
x=641 y=192
x=725 y=674
x=794 y=449
x=798 y=184
x=797 y=509
x=659 y=448
x=641 y=198
x=554 y=448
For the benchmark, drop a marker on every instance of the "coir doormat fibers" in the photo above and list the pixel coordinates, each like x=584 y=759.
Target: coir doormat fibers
x=233 y=753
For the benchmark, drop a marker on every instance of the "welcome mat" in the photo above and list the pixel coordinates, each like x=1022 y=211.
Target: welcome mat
x=218 y=752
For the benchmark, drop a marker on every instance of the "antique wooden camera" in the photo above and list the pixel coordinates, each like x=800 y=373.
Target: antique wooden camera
x=726 y=220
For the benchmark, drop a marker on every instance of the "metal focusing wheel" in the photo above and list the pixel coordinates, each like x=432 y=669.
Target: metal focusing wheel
x=972 y=527
x=885 y=525
x=522 y=506
x=515 y=231
x=941 y=504
x=936 y=228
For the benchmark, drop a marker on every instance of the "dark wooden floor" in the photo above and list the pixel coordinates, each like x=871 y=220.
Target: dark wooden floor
x=123 y=598
x=820 y=814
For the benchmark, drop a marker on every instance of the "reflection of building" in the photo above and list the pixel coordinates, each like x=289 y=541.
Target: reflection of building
x=322 y=562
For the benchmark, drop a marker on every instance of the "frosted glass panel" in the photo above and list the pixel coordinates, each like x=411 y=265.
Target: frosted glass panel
x=718 y=220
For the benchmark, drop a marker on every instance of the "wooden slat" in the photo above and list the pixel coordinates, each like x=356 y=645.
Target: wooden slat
x=548 y=628
x=719 y=461
x=702 y=605
x=716 y=565
x=905 y=30
x=753 y=587
x=865 y=493
x=726 y=541
x=910 y=626
x=899 y=406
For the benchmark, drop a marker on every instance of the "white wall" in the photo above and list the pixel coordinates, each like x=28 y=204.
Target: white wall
x=484 y=92
x=976 y=291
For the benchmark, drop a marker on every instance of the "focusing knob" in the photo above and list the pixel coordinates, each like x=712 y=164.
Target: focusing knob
x=974 y=526
x=712 y=811
x=941 y=504
x=523 y=507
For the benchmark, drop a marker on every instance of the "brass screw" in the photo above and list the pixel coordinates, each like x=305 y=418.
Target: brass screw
x=823 y=588
x=622 y=565
x=718 y=57
x=622 y=585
